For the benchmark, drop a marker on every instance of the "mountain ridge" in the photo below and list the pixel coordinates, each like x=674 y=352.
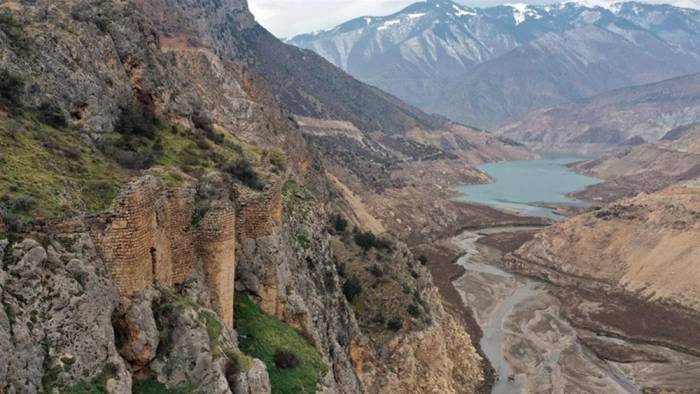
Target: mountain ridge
x=467 y=63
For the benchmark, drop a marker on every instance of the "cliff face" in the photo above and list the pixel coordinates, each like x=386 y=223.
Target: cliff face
x=167 y=165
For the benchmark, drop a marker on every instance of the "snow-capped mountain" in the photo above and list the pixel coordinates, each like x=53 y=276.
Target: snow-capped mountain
x=485 y=66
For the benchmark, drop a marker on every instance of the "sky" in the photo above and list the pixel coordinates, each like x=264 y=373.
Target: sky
x=286 y=18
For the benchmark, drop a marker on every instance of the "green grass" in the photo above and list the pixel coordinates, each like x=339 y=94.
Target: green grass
x=152 y=386
x=261 y=335
x=54 y=169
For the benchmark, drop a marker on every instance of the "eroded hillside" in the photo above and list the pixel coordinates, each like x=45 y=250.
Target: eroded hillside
x=629 y=268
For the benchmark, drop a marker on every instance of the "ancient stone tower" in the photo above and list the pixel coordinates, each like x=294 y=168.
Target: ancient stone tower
x=148 y=238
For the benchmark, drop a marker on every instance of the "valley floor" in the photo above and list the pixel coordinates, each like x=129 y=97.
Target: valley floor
x=529 y=339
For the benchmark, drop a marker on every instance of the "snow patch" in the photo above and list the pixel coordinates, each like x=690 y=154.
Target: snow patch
x=459 y=11
x=388 y=24
x=414 y=16
x=613 y=6
x=522 y=11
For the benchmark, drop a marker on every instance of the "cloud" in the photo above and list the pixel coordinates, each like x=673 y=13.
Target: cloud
x=286 y=18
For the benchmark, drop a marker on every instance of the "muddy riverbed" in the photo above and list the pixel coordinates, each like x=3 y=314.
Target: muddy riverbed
x=533 y=349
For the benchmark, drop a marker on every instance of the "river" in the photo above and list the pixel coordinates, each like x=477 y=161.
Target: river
x=532 y=348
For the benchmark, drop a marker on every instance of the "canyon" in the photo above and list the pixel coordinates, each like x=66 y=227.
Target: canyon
x=188 y=204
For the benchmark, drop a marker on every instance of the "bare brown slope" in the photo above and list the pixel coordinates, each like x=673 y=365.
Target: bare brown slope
x=649 y=167
x=627 y=116
x=632 y=267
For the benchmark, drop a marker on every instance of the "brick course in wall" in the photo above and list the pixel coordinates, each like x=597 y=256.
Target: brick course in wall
x=260 y=213
x=217 y=236
x=148 y=238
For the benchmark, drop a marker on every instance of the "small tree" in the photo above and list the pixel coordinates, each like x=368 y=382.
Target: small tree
x=395 y=324
x=51 y=114
x=352 y=288
x=339 y=224
x=11 y=91
x=242 y=170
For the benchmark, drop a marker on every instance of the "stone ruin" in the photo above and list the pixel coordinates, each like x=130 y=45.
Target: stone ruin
x=148 y=238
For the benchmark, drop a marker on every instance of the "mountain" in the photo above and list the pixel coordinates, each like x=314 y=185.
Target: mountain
x=646 y=168
x=486 y=66
x=612 y=120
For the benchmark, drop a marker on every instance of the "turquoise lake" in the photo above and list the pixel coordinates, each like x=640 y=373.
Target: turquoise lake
x=524 y=186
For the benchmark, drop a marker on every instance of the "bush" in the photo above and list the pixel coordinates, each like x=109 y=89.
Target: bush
x=11 y=91
x=137 y=119
x=367 y=240
x=339 y=224
x=277 y=159
x=413 y=310
x=423 y=259
x=285 y=359
x=243 y=171
x=51 y=114
x=23 y=204
x=352 y=288
x=14 y=33
x=132 y=160
x=376 y=271
x=395 y=324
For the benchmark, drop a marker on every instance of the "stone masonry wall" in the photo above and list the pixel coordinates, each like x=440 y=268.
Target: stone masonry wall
x=217 y=235
x=260 y=213
x=148 y=238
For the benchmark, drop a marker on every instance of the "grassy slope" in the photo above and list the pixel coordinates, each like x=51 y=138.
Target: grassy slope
x=261 y=336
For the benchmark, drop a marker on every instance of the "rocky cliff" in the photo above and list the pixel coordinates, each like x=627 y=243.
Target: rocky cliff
x=148 y=170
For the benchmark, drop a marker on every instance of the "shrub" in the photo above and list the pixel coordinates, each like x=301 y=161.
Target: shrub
x=11 y=91
x=285 y=359
x=203 y=122
x=277 y=159
x=51 y=114
x=242 y=170
x=136 y=119
x=339 y=224
x=423 y=259
x=376 y=271
x=23 y=204
x=413 y=310
x=133 y=160
x=394 y=324
x=14 y=33
x=352 y=288
x=367 y=240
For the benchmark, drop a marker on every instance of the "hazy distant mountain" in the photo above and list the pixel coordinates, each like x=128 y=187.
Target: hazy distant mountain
x=485 y=66
x=627 y=116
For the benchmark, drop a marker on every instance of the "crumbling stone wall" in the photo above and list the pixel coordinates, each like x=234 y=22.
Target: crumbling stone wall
x=217 y=236
x=260 y=213
x=148 y=238
x=126 y=237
